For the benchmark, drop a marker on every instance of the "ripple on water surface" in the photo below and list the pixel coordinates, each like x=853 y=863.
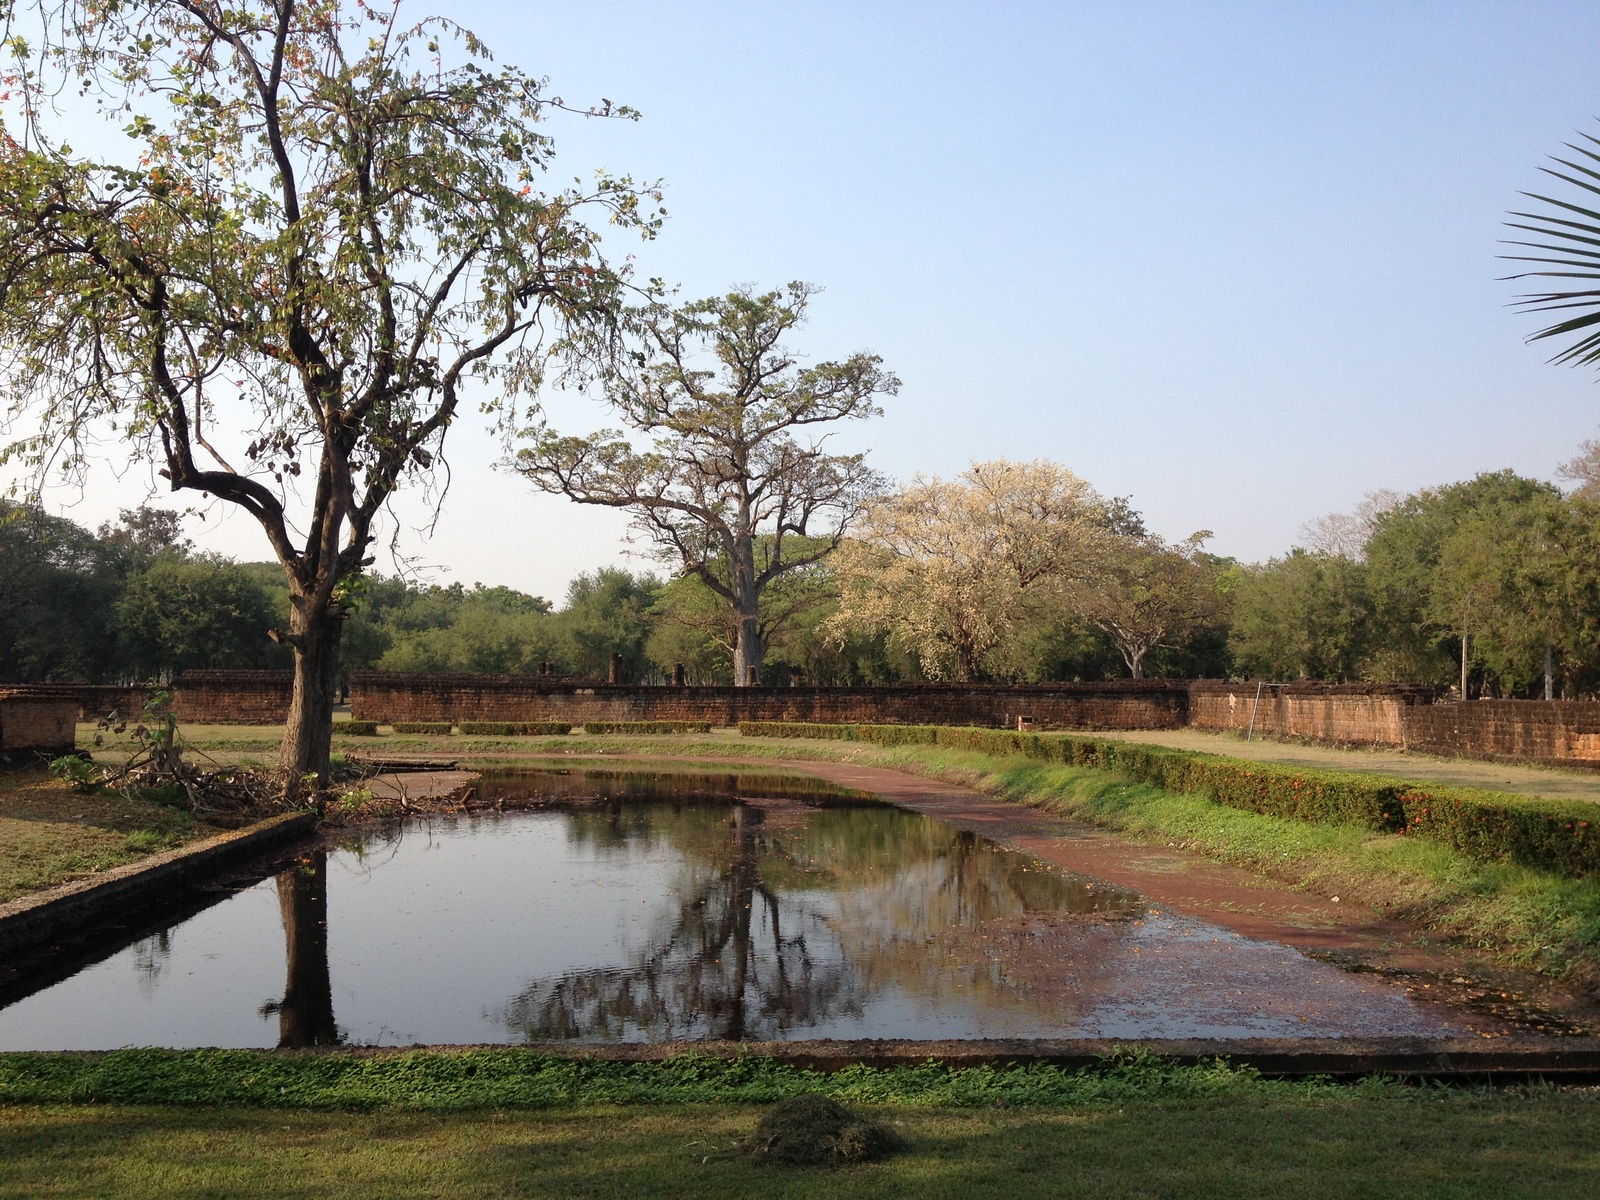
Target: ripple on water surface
x=773 y=916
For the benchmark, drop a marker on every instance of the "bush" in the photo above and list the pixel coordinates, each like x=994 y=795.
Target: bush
x=647 y=726
x=356 y=728
x=518 y=728
x=438 y=727
x=1489 y=826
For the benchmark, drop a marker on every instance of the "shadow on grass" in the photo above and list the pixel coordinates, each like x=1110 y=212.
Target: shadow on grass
x=1435 y=1145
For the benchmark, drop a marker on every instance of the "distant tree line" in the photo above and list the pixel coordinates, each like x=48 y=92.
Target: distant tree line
x=1008 y=572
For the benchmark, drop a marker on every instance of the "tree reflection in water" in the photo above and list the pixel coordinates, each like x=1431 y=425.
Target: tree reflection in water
x=730 y=965
x=789 y=916
x=305 y=1014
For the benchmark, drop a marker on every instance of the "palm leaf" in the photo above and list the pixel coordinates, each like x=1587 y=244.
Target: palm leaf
x=1564 y=245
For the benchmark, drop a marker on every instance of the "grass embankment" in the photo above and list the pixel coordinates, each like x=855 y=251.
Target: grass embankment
x=507 y=1122
x=51 y=834
x=1523 y=915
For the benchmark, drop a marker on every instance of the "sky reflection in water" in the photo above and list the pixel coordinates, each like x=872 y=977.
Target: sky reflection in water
x=792 y=916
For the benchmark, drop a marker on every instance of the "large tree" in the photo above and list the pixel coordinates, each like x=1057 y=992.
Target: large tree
x=729 y=479
x=325 y=225
x=947 y=568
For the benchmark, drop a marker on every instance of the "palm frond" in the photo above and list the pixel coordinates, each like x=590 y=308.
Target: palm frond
x=1565 y=245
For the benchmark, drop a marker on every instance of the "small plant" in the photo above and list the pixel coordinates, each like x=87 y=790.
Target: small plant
x=76 y=770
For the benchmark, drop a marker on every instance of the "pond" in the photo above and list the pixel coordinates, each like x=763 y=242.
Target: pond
x=604 y=907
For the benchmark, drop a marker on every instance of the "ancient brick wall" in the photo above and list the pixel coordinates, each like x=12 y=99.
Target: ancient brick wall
x=396 y=696
x=1335 y=714
x=233 y=697
x=1548 y=731
x=37 y=720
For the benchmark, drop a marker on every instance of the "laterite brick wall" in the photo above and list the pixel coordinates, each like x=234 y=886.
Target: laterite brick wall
x=1549 y=731
x=395 y=696
x=233 y=697
x=1336 y=714
x=37 y=720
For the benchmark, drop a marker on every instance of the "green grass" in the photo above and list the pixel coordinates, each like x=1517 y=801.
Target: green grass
x=509 y=1122
x=1436 y=1145
x=500 y=1077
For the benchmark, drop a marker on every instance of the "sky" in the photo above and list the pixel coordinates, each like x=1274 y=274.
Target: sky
x=1236 y=262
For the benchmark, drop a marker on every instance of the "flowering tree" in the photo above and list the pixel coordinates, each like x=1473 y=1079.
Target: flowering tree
x=326 y=223
x=948 y=567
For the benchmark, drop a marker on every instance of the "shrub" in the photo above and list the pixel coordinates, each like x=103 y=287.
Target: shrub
x=439 y=727
x=518 y=728
x=1489 y=826
x=647 y=726
x=357 y=728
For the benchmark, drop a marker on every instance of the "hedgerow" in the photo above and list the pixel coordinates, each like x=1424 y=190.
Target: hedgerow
x=357 y=728
x=517 y=728
x=1489 y=826
x=647 y=727
x=437 y=727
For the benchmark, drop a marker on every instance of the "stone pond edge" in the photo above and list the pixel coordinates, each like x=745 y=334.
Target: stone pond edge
x=61 y=911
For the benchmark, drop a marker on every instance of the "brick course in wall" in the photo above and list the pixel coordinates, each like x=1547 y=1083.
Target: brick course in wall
x=1131 y=704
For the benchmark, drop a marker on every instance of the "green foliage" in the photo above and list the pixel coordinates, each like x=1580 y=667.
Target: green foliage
x=439 y=728
x=356 y=728
x=515 y=728
x=1305 y=615
x=185 y=612
x=431 y=1080
x=624 y=727
x=76 y=770
x=1489 y=826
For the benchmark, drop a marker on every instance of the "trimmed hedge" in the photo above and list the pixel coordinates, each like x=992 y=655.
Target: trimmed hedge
x=421 y=726
x=518 y=728
x=1489 y=826
x=647 y=726
x=357 y=728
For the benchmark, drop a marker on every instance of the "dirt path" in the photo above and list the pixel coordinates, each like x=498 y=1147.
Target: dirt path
x=1501 y=777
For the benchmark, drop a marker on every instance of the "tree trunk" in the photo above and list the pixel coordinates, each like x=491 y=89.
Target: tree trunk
x=1549 y=672
x=1136 y=664
x=308 y=733
x=1463 y=666
x=748 y=652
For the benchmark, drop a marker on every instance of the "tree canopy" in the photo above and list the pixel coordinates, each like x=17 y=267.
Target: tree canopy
x=327 y=222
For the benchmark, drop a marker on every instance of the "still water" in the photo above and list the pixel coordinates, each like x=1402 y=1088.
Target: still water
x=629 y=908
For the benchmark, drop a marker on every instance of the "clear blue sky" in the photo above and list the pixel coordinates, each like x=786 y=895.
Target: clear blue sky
x=1234 y=260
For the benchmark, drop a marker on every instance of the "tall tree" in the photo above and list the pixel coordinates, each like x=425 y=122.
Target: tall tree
x=946 y=567
x=1145 y=593
x=728 y=479
x=327 y=223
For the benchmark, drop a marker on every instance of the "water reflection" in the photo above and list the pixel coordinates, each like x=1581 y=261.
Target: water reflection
x=305 y=1014
x=786 y=918
x=630 y=907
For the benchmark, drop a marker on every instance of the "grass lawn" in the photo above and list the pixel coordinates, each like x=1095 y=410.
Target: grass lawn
x=50 y=833
x=1436 y=1144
